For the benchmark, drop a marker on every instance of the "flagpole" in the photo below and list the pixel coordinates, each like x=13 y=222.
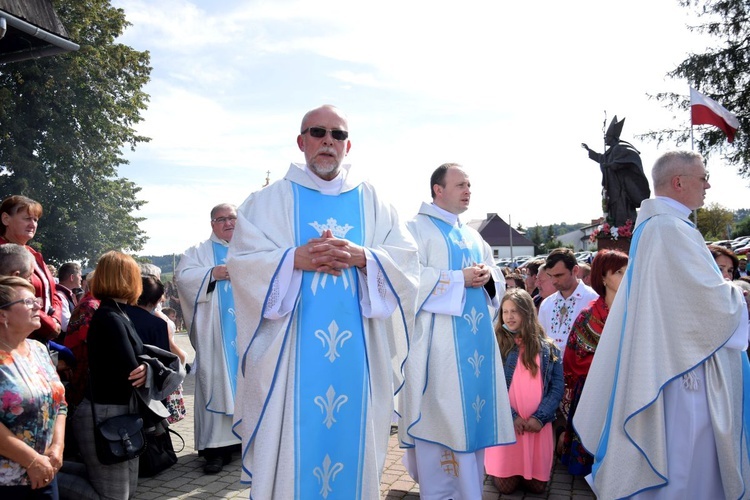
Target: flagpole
x=692 y=148
x=510 y=234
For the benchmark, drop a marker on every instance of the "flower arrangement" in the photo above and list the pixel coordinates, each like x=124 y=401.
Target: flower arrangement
x=614 y=232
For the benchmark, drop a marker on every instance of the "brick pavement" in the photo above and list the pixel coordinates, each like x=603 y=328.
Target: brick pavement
x=186 y=480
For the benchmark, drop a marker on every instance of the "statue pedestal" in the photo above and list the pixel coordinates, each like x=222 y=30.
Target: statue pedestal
x=620 y=243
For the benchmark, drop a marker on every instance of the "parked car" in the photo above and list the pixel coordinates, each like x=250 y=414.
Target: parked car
x=583 y=256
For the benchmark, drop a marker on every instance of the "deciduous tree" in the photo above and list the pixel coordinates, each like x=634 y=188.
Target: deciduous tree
x=713 y=221
x=64 y=121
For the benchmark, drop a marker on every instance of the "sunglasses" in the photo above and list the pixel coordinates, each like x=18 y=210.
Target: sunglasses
x=320 y=132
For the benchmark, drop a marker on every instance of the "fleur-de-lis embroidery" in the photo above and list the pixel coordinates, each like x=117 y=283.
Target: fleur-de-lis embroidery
x=330 y=404
x=478 y=404
x=474 y=320
x=333 y=339
x=327 y=475
x=476 y=362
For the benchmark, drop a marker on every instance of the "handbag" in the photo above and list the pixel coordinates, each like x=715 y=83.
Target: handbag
x=119 y=439
x=159 y=454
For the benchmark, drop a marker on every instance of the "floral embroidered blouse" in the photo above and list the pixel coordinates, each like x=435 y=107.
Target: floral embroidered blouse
x=31 y=397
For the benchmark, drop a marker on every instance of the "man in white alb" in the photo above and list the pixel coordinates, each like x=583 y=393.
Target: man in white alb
x=455 y=401
x=325 y=284
x=662 y=409
x=205 y=290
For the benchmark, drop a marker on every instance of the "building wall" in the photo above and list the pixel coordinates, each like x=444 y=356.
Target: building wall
x=504 y=252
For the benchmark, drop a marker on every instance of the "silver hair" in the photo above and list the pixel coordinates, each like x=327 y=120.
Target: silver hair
x=669 y=164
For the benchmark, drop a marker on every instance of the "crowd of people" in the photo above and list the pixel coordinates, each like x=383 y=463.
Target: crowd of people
x=74 y=348
x=315 y=312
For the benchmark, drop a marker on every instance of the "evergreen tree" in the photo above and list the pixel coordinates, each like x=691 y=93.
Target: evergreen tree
x=723 y=74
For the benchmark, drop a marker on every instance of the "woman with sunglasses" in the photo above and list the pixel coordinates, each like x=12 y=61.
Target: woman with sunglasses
x=20 y=217
x=32 y=400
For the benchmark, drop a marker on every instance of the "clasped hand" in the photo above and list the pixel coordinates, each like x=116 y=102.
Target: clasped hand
x=328 y=254
x=530 y=424
x=476 y=276
x=41 y=472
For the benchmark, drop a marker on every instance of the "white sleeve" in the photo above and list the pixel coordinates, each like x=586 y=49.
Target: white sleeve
x=378 y=300
x=739 y=338
x=284 y=289
x=65 y=316
x=449 y=296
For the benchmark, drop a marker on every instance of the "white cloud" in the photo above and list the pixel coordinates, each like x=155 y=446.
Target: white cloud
x=508 y=90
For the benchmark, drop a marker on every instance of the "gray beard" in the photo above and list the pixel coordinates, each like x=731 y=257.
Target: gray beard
x=325 y=172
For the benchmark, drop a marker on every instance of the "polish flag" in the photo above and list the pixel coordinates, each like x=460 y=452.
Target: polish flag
x=706 y=111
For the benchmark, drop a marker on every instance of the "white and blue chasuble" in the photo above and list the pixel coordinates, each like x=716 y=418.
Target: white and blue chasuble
x=227 y=319
x=455 y=394
x=626 y=416
x=343 y=338
x=475 y=345
x=331 y=389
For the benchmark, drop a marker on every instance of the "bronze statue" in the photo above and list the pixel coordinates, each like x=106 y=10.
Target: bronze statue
x=624 y=184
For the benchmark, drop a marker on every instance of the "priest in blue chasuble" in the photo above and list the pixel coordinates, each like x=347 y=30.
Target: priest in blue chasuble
x=455 y=402
x=205 y=290
x=325 y=281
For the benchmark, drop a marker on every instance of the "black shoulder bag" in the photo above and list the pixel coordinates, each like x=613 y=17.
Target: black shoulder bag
x=121 y=438
x=118 y=439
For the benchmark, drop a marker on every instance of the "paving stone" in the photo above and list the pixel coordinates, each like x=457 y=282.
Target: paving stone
x=185 y=480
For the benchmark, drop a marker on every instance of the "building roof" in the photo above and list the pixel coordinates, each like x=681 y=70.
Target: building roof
x=497 y=233
x=30 y=29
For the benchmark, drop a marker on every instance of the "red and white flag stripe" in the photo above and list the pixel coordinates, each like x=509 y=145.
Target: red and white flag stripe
x=706 y=111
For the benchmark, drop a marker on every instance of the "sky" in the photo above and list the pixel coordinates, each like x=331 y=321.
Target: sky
x=509 y=90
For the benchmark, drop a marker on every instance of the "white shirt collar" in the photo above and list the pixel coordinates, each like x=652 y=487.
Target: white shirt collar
x=332 y=187
x=675 y=204
x=449 y=217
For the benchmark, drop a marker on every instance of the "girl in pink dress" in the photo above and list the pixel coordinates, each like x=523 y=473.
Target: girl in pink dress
x=535 y=388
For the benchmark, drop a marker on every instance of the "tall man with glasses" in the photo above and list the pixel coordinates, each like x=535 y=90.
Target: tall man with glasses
x=662 y=410
x=325 y=287
x=205 y=291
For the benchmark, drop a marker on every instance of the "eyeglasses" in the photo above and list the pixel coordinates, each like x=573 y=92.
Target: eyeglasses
x=222 y=220
x=28 y=302
x=320 y=132
x=703 y=178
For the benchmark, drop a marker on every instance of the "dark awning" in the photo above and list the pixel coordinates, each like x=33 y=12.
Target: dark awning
x=31 y=29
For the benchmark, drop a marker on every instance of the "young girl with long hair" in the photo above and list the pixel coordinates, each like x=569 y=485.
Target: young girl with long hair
x=533 y=374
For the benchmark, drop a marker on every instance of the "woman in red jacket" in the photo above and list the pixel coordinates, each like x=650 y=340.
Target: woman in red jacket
x=20 y=217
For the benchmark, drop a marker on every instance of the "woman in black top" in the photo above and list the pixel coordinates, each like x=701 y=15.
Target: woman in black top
x=114 y=370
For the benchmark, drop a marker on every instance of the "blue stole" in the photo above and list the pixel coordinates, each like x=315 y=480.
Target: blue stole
x=226 y=317
x=331 y=373
x=474 y=340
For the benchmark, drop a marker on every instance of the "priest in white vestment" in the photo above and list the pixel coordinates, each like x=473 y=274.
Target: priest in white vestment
x=455 y=399
x=325 y=283
x=663 y=409
x=205 y=291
